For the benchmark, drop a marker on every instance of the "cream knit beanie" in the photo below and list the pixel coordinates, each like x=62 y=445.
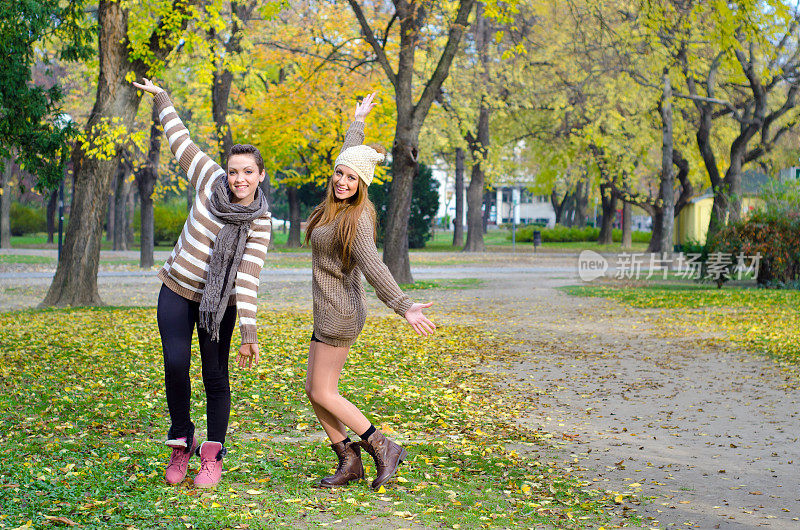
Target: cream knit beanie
x=361 y=159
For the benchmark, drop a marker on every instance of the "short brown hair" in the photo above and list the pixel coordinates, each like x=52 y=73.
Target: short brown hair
x=247 y=149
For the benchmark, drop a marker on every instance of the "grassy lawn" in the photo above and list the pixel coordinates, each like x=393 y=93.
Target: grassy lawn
x=766 y=320
x=82 y=420
x=495 y=240
x=498 y=240
x=40 y=241
x=22 y=258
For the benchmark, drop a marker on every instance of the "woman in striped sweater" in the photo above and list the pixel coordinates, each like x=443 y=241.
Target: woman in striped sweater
x=212 y=273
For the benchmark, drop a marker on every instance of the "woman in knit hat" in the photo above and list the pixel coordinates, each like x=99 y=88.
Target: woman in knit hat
x=341 y=231
x=212 y=273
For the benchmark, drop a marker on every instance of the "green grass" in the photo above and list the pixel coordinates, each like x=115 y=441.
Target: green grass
x=588 y=245
x=765 y=320
x=454 y=284
x=82 y=418
x=25 y=259
x=495 y=240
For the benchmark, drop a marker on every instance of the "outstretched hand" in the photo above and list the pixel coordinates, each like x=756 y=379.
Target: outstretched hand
x=248 y=355
x=419 y=321
x=363 y=109
x=148 y=86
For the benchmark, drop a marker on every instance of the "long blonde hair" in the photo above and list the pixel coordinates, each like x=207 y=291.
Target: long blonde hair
x=347 y=212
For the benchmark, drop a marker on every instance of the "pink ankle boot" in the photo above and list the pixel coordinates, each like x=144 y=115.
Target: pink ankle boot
x=179 y=461
x=210 y=465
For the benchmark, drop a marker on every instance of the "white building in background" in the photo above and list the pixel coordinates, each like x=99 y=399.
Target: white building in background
x=530 y=208
x=515 y=204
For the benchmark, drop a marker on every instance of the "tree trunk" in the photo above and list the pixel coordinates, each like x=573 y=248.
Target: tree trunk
x=294 y=217
x=395 y=238
x=479 y=147
x=75 y=280
x=608 y=200
x=559 y=206
x=627 y=233
x=266 y=189
x=52 y=208
x=220 y=91
x=686 y=187
x=121 y=206
x=129 y=235
x=458 y=222
x=488 y=198
x=581 y=202
x=667 y=187
x=5 y=203
x=478 y=144
x=110 y=213
x=410 y=116
x=657 y=216
x=223 y=77
x=146 y=178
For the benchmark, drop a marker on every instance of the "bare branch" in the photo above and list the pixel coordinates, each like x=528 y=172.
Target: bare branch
x=370 y=38
x=440 y=73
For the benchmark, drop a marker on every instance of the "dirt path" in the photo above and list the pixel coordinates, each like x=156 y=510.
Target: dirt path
x=711 y=434
x=708 y=432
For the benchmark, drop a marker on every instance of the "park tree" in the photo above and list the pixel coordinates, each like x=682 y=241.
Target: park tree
x=477 y=98
x=622 y=92
x=748 y=73
x=419 y=25
x=146 y=178
x=30 y=135
x=312 y=87
x=131 y=45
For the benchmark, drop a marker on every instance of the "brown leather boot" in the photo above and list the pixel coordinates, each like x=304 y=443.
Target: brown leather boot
x=350 y=467
x=387 y=455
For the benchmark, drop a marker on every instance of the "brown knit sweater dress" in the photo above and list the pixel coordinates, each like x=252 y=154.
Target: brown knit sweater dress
x=339 y=301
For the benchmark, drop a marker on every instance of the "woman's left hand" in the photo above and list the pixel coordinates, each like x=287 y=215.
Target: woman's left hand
x=419 y=321
x=365 y=107
x=248 y=355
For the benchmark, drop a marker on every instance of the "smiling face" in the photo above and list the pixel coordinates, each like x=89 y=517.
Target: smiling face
x=345 y=182
x=243 y=178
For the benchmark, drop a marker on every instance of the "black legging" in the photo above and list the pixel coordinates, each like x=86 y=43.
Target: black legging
x=177 y=318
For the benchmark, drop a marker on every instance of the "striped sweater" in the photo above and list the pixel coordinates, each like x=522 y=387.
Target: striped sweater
x=186 y=268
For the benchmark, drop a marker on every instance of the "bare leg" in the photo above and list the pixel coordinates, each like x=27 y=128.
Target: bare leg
x=325 y=365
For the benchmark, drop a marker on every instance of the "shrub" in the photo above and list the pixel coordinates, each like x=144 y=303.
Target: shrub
x=27 y=219
x=774 y=234
x=562 y=234
x=168 y=220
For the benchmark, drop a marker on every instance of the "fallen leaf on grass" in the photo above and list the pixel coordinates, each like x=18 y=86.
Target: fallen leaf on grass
x=62 y=520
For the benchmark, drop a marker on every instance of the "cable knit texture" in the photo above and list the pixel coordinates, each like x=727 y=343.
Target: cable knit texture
x=186 y=269
x=361 y=159
x=339 y=300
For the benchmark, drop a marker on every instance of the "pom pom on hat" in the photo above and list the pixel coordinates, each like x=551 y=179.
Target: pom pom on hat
x=362 y=159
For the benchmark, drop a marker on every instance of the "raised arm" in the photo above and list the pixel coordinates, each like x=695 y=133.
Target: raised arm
x=355 y=133
x=199 y=167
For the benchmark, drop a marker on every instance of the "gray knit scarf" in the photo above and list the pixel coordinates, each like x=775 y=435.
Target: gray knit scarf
x=227 y=253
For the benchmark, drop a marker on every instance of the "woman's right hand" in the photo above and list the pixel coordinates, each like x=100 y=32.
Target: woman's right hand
x=148 y=86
